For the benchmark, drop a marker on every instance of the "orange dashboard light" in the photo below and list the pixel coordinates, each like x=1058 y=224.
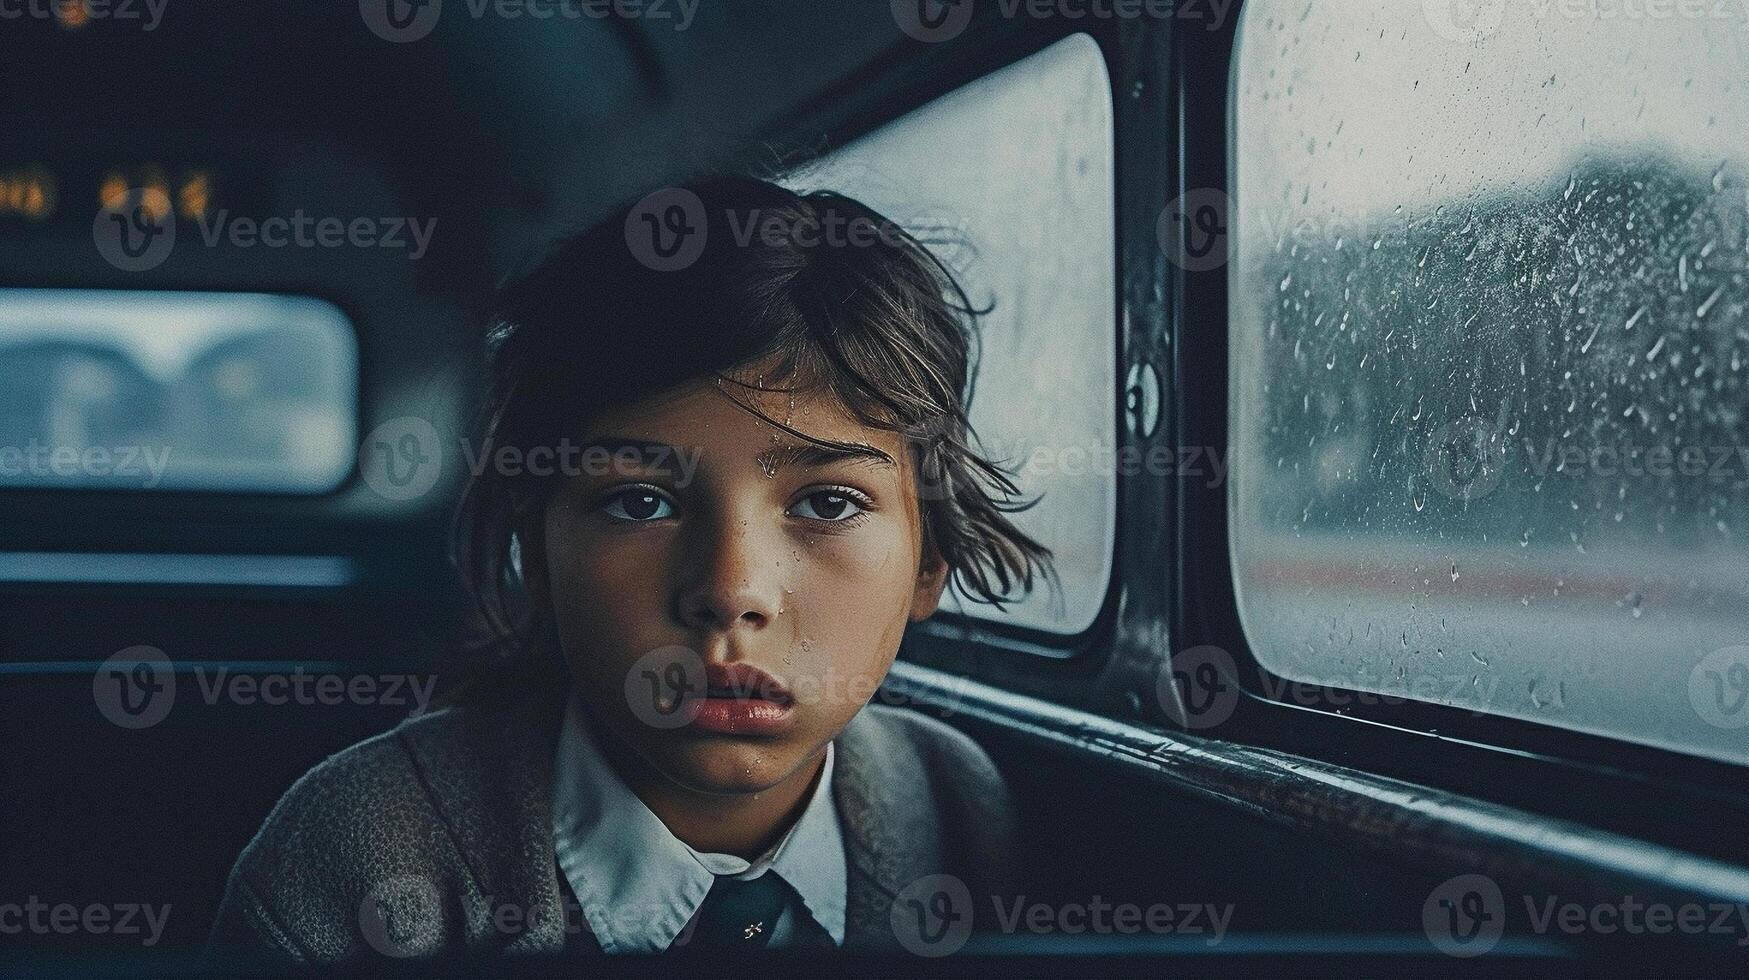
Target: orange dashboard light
x=36 y=200
x=195 y=195
x=155 y=201
x=73 y=14
x=113 y=193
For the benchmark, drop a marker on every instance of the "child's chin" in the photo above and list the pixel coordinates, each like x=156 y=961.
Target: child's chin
x=731 y=766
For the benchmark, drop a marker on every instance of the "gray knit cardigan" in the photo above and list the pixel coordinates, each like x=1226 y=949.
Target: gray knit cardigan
x=435 y=839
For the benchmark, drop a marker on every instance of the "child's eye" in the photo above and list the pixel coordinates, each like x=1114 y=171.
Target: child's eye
x=837 y=504
x=638 y=504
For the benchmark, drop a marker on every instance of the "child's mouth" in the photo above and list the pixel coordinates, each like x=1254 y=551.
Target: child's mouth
x=741 y=699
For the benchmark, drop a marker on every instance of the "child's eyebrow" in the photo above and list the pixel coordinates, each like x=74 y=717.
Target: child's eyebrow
x=772 y=460
x=810 y=454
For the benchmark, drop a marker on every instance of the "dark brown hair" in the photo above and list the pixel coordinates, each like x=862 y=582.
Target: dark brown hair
x=835 y=293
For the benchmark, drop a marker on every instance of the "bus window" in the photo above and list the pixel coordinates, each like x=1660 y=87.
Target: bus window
x=1488 y=328
x=121 y=390
x=1011 y=178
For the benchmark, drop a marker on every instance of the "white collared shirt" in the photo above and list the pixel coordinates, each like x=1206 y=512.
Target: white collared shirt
x=639 y=885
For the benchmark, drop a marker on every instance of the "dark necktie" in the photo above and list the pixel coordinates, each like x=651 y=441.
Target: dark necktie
x=738 y=915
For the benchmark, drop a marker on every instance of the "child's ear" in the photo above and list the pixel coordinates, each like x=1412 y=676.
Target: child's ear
x=932 y=576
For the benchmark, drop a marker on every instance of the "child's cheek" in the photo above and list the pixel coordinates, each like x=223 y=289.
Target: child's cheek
x=875 y=551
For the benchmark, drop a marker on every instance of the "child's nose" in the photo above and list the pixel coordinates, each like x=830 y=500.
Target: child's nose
x=730 y=584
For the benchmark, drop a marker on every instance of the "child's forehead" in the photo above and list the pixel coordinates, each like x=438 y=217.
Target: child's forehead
x=750 y=413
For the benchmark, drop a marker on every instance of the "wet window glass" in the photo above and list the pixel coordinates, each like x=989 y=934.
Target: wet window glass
x=158 y=391
x=1025 y=215
x=1490 y=320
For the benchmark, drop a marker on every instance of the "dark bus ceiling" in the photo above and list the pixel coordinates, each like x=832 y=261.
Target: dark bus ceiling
x=509 y=130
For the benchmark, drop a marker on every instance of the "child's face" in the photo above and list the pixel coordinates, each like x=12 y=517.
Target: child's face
x=744 y=546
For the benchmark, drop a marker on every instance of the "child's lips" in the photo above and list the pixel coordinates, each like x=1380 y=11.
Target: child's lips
x=744 y=682
x=743 y=716
x=741 y=699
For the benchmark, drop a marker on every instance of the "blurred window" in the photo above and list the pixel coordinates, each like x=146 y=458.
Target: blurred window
x=1010 y=181
x=162 y=391
x=1490 y=317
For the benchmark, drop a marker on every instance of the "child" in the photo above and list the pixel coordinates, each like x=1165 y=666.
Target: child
x=747 y=469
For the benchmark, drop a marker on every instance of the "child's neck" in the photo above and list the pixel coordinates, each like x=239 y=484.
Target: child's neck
x=744 y=825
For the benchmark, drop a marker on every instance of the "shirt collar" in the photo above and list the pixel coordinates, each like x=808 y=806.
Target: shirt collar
x=638 y=884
